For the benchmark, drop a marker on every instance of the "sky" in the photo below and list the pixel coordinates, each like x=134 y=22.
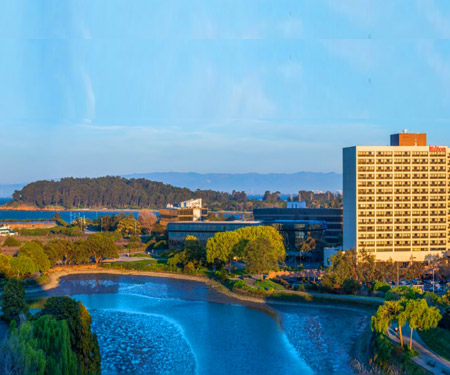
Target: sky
x=109 y=87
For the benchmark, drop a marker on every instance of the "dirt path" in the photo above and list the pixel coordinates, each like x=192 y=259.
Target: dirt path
x=426 y=357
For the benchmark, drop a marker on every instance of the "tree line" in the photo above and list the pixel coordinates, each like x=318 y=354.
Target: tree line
x=34 y=256
x=118 y=192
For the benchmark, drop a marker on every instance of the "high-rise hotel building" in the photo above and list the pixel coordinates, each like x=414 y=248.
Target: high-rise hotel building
x=396 y=199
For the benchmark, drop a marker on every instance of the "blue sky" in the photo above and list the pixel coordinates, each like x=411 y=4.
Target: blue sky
x=96 y=87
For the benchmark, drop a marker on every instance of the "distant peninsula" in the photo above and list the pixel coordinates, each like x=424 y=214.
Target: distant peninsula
x=122 y=193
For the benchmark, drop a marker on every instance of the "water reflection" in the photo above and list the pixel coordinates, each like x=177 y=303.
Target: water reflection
x=156 y=325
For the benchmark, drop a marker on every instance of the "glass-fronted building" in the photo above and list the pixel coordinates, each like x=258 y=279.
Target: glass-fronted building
x=294 y=232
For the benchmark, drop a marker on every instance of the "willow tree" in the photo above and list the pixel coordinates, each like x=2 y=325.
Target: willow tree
x=420 y=316
x=53 y=337
x=83 y=341
x=20 y=352
x=387 y=313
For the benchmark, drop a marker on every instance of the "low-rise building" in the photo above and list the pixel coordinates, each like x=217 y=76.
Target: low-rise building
x=328 y=252
x=296 y=204
x=186 y=211
x=331 y=216
x=178 y=231
x=5 y=231
x=294 y=232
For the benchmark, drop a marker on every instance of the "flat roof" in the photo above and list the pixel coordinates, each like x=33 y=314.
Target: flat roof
x=215 y=222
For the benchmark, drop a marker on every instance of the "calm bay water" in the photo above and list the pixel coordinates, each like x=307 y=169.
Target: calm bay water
x=163 y=326
x=68 y=216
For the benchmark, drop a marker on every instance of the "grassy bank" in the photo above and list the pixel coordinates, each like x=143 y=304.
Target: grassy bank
x=270 y=291
x=438 y=340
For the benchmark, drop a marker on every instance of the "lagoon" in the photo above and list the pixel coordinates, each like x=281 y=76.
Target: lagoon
x=149 y=325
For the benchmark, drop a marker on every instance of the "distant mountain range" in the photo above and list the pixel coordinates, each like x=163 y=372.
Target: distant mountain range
x=251 y=183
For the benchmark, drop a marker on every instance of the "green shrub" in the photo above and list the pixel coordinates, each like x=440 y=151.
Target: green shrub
x=161 y=245
x=300 y=288
x=351 y=286
x=400 y=292
x=380 y=286
x=34 y=232
x=141 y=255
x=134 y=245
x=11 y=241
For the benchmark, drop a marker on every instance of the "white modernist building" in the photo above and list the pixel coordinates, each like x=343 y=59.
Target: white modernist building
x=396 y=199
x=6 y=231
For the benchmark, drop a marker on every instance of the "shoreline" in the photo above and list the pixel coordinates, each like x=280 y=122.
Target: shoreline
x=359 y=349
x=56 y=275
x=304 y=298
x=62 y=209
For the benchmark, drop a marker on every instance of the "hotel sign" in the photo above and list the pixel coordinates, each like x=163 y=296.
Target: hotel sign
x=437 y=149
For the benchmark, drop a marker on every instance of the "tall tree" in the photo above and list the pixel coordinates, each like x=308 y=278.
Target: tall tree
x=22 y=265
x=388 y=312
x=195 y=252
x=420 y=316
x=36 y=253
x=147 y=219
x=261 y=255
x=83 y=342
x=101 y=246
x=53 y=337
x=129 y=226
x=13 y=301
x=20 y=353
x=5 y=266
x=219 y=249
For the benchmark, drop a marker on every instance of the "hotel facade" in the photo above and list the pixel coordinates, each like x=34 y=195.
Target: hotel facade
x=396 y=199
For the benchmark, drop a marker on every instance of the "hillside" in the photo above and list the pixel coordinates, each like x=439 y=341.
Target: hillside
x=118 y=192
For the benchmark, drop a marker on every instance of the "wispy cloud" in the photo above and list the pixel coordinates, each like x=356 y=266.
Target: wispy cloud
x=436 y=17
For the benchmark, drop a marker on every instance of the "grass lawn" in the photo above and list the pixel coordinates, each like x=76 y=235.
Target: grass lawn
x=438 y=340
x=268 y=285
x=138 y=265
x=141 y=255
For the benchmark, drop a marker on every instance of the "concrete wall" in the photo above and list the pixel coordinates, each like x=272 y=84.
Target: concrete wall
x=349 y=186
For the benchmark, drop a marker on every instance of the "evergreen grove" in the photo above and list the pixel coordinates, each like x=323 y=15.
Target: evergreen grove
x=118 y=192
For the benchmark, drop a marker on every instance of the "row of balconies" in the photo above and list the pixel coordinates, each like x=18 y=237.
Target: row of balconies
x=366 y=183
x=366 y=161
x=397 y=244
x=403 y=168
x=403 y=183
x=390 y=236
x=369 y=227
x=366 y=169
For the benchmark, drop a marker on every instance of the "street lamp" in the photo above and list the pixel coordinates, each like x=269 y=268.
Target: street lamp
x=433 y=279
